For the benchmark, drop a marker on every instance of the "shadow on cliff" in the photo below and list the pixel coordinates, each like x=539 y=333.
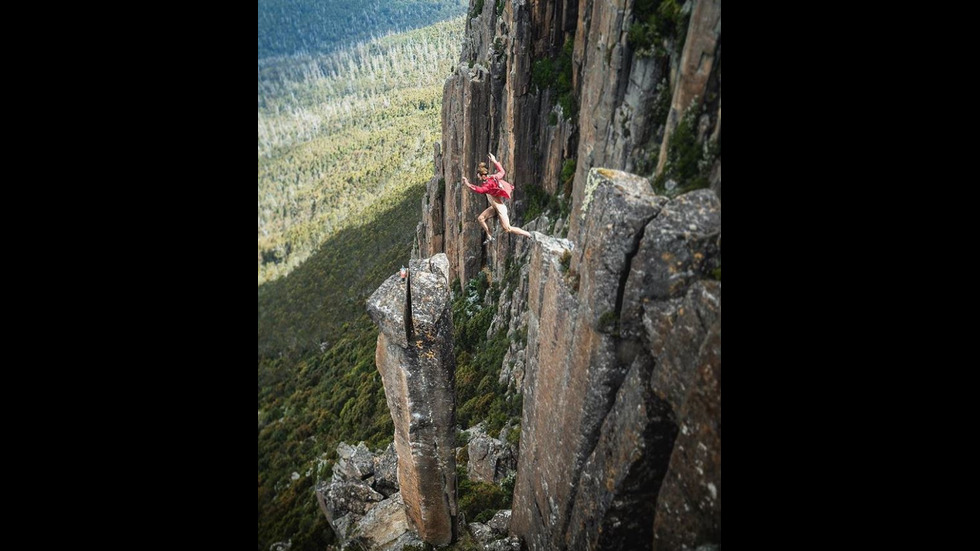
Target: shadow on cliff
x=307 y=308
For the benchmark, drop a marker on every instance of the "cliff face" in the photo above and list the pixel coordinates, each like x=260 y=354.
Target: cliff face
x=623 y=99
x=417 y=366
x=615 y=346
x=619 y=289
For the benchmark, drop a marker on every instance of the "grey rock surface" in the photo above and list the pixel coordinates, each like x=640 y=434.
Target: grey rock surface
x=415 y=359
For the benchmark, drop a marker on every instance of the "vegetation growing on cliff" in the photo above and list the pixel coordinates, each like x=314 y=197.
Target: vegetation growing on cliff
x=479 y=395
x=477 y=9
x=556 y=74
x=688 y=160
x=557 y=206
x=657 y=25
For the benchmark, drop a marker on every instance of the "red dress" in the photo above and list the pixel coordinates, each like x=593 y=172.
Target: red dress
x=495 y=184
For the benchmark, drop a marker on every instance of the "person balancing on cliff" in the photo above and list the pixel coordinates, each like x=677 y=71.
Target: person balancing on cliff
x=496 y=190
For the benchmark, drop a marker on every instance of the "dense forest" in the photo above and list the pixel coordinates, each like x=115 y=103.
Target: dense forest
x=293 y=26
x=336 y=131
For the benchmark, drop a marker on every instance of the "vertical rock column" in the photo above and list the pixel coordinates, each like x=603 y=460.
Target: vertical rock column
x=618 y=344
x=575 y=365
x=465 y=143
x=418 y=369
x=703 y=34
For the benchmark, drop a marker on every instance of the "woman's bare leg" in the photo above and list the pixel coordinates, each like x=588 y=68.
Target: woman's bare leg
x=483 y=219
x=505 y=223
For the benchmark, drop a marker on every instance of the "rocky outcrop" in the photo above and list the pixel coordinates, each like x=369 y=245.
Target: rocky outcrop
x=689 y=505
x=343 y=496
x=491 y=539
x=490 y=460
x=617 y=93
x=481 y=532
x=354 y=462
x=500 y=523
x=415 y=358
x=386 y=471
x=431 y=231
x=512 y=543
x=360 y=515
x=609 y=344
x=385 y=526
x=572 y=357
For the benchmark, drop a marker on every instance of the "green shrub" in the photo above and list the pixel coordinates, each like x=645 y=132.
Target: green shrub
x=608 y=323
x=567 y=172
x=514 y=436
x=543 y=72
x=556 y=74
x=656 y=21
x=688 y=161
x=477 y=9
x=479 y=498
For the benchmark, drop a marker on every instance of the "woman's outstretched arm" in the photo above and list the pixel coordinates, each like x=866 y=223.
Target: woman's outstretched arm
x=478 y=189
x=500 y=169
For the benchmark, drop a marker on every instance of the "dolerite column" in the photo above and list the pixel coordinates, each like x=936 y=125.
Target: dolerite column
x=418 y=369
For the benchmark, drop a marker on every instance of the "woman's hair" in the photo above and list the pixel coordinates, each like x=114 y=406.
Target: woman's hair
x=482 y=170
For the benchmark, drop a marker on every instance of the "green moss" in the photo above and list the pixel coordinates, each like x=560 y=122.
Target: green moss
x=565 y=260
x=608 y=323
x=514 y=436
x=500 y=7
